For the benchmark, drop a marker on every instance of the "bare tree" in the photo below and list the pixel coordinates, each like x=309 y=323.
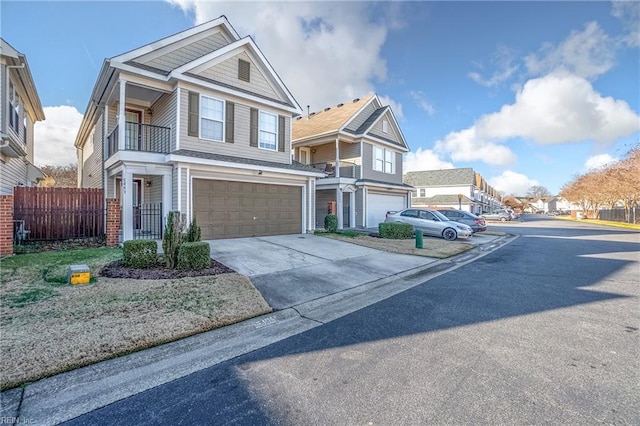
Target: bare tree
x=538 y=191
x=60 y=176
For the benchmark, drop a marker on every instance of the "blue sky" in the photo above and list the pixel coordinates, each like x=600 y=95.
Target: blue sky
x=526 y=93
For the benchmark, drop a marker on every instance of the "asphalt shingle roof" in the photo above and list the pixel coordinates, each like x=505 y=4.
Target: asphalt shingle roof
x=447 y=177
x=327 y=121
x=227 y=158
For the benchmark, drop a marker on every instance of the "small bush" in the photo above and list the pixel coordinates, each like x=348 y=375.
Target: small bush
x=172 y=238
x=193 y=233
x=194 y=255
x=331 y=222
x=139 y=253
x=396 y=231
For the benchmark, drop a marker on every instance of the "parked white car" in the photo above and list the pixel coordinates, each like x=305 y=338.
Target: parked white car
x=431 y=222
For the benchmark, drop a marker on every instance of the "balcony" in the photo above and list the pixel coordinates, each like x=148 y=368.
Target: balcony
x=347 y=169
x=140 y=137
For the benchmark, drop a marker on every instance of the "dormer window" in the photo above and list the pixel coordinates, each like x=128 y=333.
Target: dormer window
x=385 y=126
x=244 y=70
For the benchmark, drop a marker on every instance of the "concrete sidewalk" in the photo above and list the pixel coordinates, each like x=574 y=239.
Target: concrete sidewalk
x=66 y=396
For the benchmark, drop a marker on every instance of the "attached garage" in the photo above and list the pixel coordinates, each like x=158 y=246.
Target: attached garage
x=379 y=204
x=229 y=209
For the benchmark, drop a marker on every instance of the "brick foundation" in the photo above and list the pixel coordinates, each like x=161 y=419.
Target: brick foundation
x=6 y=225
x=113 y=221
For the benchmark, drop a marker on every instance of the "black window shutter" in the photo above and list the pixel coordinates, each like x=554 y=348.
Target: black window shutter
x=281 y=133
x=253 y=134
x=194 y=113
x=229 y=119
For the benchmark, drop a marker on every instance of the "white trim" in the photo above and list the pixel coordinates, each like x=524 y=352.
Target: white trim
x=179 y=189
x=276 y=133
x=178 y=100
x=189 y=195
x=224 y=112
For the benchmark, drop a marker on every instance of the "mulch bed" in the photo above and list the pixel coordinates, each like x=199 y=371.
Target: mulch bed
x=160 y=272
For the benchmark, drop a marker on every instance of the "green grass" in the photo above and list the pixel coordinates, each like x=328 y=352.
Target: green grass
x=39 y=274
x=602 y=222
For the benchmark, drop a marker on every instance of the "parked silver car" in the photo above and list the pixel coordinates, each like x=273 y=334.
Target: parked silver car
x=501 y=215
x=431 y=222
x=476 y=223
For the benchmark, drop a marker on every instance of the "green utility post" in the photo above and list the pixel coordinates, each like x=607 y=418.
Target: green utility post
x=419 y=238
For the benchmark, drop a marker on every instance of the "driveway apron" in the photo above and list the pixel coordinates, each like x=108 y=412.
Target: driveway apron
x=292 y=269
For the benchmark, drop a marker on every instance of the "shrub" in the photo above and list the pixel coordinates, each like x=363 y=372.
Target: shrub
x=193 y=233
x=172 y=238
x=139 y=253
x=331 y=222
x=396 y=231
x=194 y=255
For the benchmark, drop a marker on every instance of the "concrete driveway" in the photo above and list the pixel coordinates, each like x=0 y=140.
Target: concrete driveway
x=293 y=269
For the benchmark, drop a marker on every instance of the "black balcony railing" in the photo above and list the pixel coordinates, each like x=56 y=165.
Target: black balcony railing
x=140 y=137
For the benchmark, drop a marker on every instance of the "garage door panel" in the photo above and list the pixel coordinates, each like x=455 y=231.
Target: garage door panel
x=226 y=209
x=379 y=204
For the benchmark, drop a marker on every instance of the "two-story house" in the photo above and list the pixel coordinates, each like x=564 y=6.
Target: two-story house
x=358 y=145
x=20 y=109
x=462 y=189
x=198 y=122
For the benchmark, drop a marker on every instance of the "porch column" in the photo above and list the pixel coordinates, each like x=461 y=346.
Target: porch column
x=339 y=207
x=127 y=205
x=311 y=219
x=352 y=209
x=338 y=162
x=167 y=203
x=121 y=115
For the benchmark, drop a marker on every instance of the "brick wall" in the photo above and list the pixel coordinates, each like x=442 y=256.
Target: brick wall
x=113 y=221
x=6 y=225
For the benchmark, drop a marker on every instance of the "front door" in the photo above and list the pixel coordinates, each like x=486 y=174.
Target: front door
x=305 y=155
x=136 y=192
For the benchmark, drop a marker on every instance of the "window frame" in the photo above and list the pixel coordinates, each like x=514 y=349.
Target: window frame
x=385 y=126
x=261 y=130
x=14 y=108
x=202 y=116
x=386 y=163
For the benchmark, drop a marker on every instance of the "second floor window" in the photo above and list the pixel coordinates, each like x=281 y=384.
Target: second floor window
x=268 y=131
x=14 y=109
x=211 y=118
x=384 y=160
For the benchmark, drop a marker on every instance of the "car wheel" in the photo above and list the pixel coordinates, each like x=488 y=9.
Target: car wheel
x=503 y=219
x=449 y=234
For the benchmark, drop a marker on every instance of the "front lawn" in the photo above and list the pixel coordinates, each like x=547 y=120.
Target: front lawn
x=49 y=326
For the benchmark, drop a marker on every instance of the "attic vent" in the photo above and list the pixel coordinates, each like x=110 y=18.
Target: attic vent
x=312 y=114
x=339 y=105
x=298 y=118
x=327 y=108
x=244 y=70
x=356 y=99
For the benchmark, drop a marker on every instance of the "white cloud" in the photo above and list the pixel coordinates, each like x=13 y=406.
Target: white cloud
x=424 y=159
x=467 y=145
x=597 y=161
x=588 y=53
x=396 y=107
x=628 y=12
x=336 y=46
x=421 y=101
x=511 y=182
x=560 y=108
x=504 y=58
x=54 y=137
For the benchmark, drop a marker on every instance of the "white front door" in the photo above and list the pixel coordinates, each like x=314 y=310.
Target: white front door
x=305 y=155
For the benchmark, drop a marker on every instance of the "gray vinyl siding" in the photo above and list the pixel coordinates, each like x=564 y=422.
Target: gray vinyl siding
x=13 y=172
x=92 y=167
x=153 y=194
x=3 y=100
x=174 y=189
x=391 y=134
x=369 y=173
x=360 y=208
x=227 y=72
x=362 y=117
x=327 y=152
x=164 y=114
x=350 y=152
x=185 y=54
x=240 y=147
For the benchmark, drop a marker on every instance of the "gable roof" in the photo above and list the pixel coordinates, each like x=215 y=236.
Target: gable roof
x=329 y=120
x=446 y=177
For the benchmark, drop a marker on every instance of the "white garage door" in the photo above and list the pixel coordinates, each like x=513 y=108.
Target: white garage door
x=379 y=204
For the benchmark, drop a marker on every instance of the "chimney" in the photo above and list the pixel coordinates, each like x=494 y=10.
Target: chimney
x=307 y=112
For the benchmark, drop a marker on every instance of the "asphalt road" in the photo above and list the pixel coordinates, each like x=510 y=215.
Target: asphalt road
x=543 y=330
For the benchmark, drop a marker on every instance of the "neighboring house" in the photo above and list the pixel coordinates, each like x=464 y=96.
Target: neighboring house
x=20 y=109
x=197 y=122
x=461 y=189
x=358 y=145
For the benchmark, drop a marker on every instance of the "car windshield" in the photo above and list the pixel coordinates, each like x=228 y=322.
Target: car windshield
x=440 y=216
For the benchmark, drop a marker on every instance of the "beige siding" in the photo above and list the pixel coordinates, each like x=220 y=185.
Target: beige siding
x=323 y=153
x=185 y=54
x=13 y=172
x=164 y=114
x=362 y=117
x=227 y=72
x=241 y=146
x=369 y=173
x=92 y=167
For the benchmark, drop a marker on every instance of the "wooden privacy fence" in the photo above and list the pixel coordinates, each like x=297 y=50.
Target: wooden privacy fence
x=56 y=214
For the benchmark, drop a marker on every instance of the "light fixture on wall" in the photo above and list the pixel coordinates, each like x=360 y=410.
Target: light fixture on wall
x=147 y=184
x=313 y=151
x=259 y=172
x=149 y=112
